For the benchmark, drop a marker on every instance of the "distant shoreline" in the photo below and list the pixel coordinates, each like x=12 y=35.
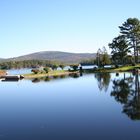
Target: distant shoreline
x=66 y=72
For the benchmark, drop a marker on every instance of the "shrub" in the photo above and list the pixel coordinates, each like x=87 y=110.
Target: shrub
x=46 y=69
x=74 y=67
x=62 y=66
x=35 y=71
x=54 y=66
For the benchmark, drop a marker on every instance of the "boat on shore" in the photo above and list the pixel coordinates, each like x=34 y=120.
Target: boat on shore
x=12 y=77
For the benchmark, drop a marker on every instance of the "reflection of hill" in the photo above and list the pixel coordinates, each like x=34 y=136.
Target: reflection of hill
x=127 y=92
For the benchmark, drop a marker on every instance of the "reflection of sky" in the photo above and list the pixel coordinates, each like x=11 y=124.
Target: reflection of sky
x=68 y=107
x=121 y=75
x=18 y=71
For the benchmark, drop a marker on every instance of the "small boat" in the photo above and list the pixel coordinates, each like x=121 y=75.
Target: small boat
x=10 y=77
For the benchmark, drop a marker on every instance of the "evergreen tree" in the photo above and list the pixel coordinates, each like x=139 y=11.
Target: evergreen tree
x=102 y=57
x=120 y=49
x=131 y=30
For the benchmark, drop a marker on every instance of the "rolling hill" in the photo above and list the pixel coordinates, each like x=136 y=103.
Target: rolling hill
x=65 y=57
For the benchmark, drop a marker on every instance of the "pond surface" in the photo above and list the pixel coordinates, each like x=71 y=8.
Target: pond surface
x=91 y=107
x=18 y=71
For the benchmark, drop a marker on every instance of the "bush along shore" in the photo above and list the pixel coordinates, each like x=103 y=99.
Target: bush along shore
x=50 y=74
x=2 y=72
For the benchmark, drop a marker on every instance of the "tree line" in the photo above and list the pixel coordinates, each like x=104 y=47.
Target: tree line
x=29 y=64
x=102 y=59
x=125 y=48
x=35 y=65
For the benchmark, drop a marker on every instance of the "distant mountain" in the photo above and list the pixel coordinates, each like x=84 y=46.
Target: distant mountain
x=1 y=59
x=65 y=57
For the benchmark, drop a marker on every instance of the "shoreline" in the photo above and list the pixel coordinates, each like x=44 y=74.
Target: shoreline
x=64 y=73
x=120 y=69
x=128 y=68
x=2 y=72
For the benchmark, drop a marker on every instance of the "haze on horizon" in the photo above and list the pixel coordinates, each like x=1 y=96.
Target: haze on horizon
x=79 y=26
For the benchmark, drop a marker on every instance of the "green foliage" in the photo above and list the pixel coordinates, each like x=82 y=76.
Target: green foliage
x=46 y=69
x=26 y=64
x=62 y=66
x=74 y=67
x=102 y=58
x=105 y=59
x=131 y=30
x=54 y=66
x=35 y=71
x=128 y=39
x=120 y=50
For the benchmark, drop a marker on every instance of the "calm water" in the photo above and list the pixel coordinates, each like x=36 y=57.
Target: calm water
x=91 y=107
x=28 y=70
x=18 y=71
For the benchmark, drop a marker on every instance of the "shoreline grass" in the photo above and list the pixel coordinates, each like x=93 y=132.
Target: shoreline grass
x=65 y=73
x=120 y=69
x=52 y=73
x=126 y=68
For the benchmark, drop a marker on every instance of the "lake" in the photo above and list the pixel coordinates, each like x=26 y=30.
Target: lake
x=19 y=71
x=28 y=70
x=90 y=107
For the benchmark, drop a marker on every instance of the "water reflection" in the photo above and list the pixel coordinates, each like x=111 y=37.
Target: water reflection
x=75 y=75
x=36 y=80
x=121 y=89
x=56 y=77
x=71 y=108
x=103 y=80
x=127 y=92
x=10 y=80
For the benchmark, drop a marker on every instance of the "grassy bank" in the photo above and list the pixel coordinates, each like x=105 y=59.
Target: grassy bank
x=65 y=73
x=52 y=73
x=120 y=69
x=128 y=68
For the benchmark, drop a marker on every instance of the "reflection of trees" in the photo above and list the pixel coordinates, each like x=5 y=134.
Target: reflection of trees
x=74 y=75
x=127 y=92
x=36 y=80
x=132 y=107
x=121 y=90
x=103 y=80
x=55 y=77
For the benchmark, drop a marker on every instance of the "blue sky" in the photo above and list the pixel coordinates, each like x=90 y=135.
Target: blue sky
x=28 y=26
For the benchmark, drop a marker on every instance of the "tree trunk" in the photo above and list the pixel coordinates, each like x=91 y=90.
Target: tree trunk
x=135 y=54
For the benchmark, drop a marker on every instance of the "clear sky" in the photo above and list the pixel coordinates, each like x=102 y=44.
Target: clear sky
x=28 y=26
